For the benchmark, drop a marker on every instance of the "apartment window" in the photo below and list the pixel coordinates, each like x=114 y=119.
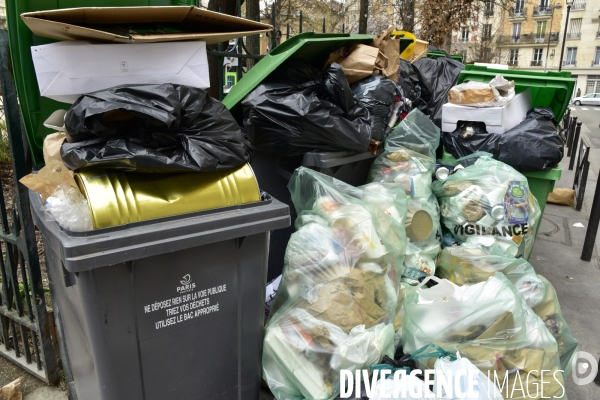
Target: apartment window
x=487 y=54
x=593 y=84
x=487 y=31
x=384 y=2
x=541 y=28
x=574 y=29
x=597 y=56
x=513 y=58
x=544 y=4
x=537 y=57
x=579 y=5
x=571 y=56
x=516 y=31
x=464 y=34
x=519 y=7
x=489 y=7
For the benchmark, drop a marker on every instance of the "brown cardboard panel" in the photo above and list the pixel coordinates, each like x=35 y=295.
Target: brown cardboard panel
x=113 y=24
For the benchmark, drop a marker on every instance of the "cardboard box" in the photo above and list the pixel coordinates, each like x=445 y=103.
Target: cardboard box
x=66 y=70
x=140 y=24
x=496 y=119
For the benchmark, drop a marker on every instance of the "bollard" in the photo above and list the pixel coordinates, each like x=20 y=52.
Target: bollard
x=592 y=229
x=570 y=136
x=575 y=146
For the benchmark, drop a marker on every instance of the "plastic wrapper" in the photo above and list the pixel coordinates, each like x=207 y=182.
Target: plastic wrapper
x=483 y=389
x=550 y=312
x=338 y=297
x=408 y=162
x=297 y=109
x=69 y=208
x=469 y=264
x=497 y=93
x=532 y=145
x=152 y=128
x=491 y=325
x=378 y=94
x=386 y=389
x=490 y=200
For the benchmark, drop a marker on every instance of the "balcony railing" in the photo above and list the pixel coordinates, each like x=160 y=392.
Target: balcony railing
x=541 y=11
x=536 y=63
x=569 y=63
x=528 y=39
x=574 y=35
x=578 y=6
x=517 y=12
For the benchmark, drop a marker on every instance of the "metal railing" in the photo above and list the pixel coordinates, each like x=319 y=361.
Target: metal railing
x=574 y=35
x=542 y=11
x=528 y=38
x=578 y=6
x=569 y=63
x=536 y=63
x=517 y=12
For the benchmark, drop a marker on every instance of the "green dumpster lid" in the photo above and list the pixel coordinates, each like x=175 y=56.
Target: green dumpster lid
x=309 y=46
x=35 y=109
x=548 y=89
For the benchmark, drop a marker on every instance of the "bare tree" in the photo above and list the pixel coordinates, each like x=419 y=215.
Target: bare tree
x=252 y=44
x=439 y=18
x=363 y=14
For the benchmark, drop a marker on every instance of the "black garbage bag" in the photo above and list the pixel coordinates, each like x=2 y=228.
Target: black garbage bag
x=533 y=145
x=409 y=83
x=436 y=77
x=152 y=128
x=378 y=94
x=298 y=109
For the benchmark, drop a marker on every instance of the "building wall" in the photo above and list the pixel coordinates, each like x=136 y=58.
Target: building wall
x=585 y=70
x=529 y=38
x=2 y=14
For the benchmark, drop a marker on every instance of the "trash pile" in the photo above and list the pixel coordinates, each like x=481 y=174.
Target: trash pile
x=492 y=118
x=420 y=263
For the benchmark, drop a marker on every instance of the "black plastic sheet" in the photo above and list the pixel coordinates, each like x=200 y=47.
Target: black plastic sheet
x=152 y=128
x=298 y=109
x=378 y=94
x=436 y=77
x=533 y=145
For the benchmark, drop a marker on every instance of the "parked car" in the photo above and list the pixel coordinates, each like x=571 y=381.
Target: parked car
x=588 y=99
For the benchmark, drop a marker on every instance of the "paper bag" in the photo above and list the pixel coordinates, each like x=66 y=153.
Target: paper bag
x=48 y=178
x=358 y=61
x=52 y=145
x=12 y=390
x=390 y=47
x=562 y=196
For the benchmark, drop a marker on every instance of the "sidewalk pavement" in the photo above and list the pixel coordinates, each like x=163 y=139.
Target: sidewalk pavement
x=557 y=256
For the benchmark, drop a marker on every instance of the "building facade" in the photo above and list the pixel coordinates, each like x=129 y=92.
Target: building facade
x=476 y=39
x=531 y=34
x=582 y=47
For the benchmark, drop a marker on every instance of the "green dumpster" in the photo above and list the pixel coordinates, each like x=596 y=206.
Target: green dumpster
x=34 y=108
x=548 y=89
x=541 y=183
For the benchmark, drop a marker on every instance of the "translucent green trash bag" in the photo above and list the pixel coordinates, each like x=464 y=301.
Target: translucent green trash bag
x=469 y=264
x=338 y=297
x=490 y=324
x=409 y=162
x=490 y=199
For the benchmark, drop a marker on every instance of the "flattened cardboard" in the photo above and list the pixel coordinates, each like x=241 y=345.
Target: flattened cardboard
x=111 y=24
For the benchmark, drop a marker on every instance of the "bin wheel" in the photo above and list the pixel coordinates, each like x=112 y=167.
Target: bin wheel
x=577 y=103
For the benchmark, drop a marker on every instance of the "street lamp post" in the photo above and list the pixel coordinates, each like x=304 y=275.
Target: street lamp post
x=562 y=52
x=554 y=7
